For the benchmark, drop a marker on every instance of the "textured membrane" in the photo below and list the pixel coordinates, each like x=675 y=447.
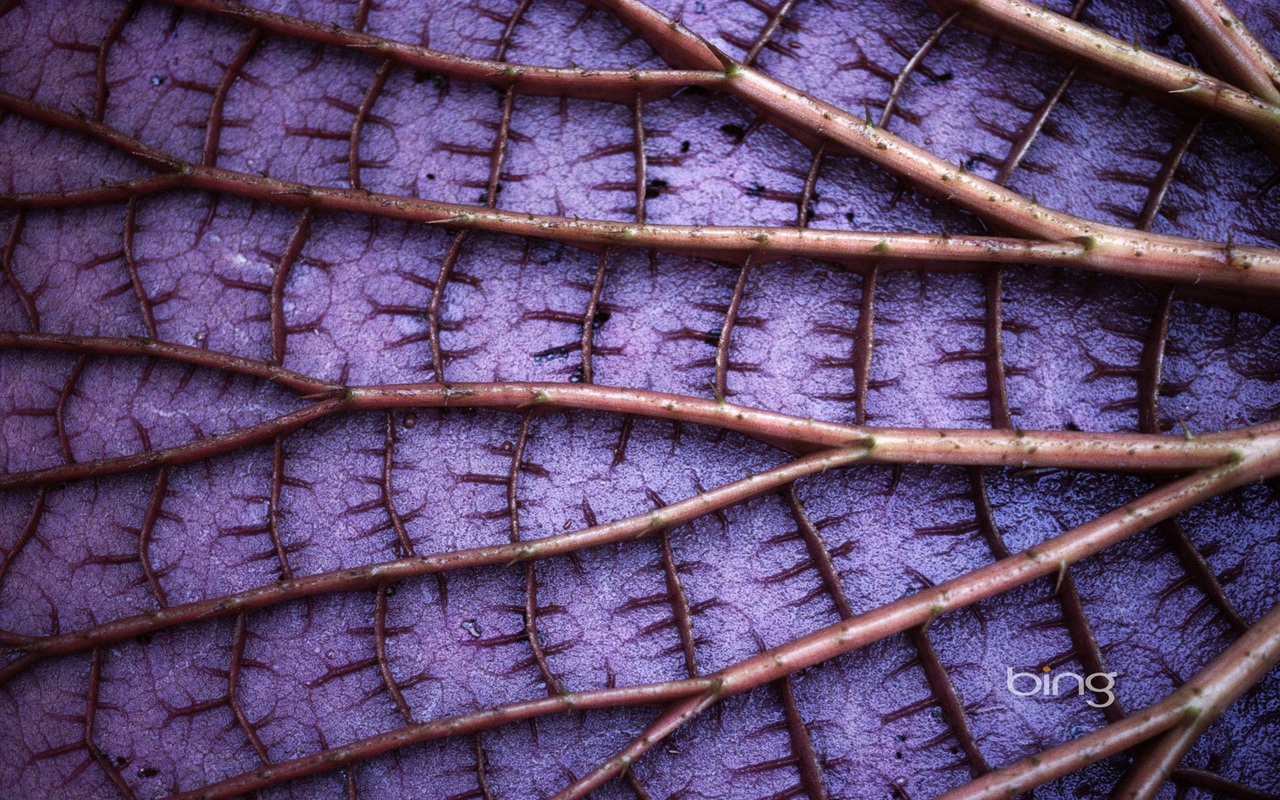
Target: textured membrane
x=196 y=703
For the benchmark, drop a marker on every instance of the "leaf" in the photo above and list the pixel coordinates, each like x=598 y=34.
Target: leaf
x=374 y=422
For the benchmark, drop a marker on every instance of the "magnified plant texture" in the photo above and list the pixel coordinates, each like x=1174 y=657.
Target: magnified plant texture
x=639 y=399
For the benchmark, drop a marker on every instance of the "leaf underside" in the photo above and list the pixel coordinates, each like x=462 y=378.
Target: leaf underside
x=355 y=298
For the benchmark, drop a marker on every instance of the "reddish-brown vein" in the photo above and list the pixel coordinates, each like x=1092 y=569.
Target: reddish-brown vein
x=961 y=447
x=997 y=384
x=90 y=713
x=371 y=576
x=482 y=769
x=504 y=41
x=530 y=574
x=366 y=103
x=770 y=29
x=362 y=115
x=154 y=507
x=609 y=85
x=388 y=499
x=1202 y=779
x=641 y=159
x=864 y=344
x=802 y=744
x=28 y=304
x=239 y=639
x=497 y=157
x=362 y=15
x=131 y=264
x=273 y=505
x=637 y=789
x=589 y=319
x=1150 y=370
x=116 y=28
x=944 y=692
x=891 y=103
x=384 y=663
x=818 y=553
x=726 y=331
x=293 y=249
x=60 y=409
x=28 y=532
x=437 y=300
x=679 y=602
x=810 y=183
x=213 y=131
x=178 y=353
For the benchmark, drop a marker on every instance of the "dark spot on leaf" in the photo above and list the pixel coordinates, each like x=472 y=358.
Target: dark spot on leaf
x=735 y=131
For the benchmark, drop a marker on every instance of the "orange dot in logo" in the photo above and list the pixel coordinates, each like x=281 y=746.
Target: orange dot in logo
x=1045 y=669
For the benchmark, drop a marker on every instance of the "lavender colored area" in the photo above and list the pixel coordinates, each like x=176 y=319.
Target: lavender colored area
x=354 y=310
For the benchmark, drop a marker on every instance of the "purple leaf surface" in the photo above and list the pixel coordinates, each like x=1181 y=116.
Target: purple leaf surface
x=359 y=297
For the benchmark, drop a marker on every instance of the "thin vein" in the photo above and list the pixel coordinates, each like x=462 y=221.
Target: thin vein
x=589 y=319
x=726 y=331
x=864 y=345
x=274 y=511
x=90 y=714
x=60 y=409
x=641 y=158
x=818 y=553
x=362 y=115
x=388 y=497
x=804 y=207
x=100 y=88
x=530 y=575
x=482 y=768
x=802 y=744
x=944 y=692
x=28 y=532
x=679 y=602
x=293 y=249
x=167 y=351
x=1203 y=779
x=239 y=639
x=891 y=103
x=770 y=29
x=384 y=663
x=131 y=264
x=1150 y=371
x=28 y=303
x=213 y=131
x=154 y=510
